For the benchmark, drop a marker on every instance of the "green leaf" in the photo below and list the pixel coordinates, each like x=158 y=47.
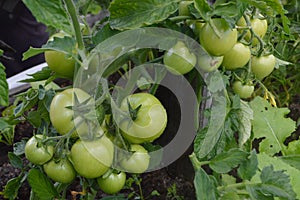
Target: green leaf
x=12 y=187
x=292 y=160
x=293 y=148
x=65 y=45
x=41 y=75
x=255 y=193
x=103 y=34
x=15 y=160
x=276 y=183
x=41 y=185
x=212 y=134
x=270 y=124
x=204 y=186
x=230 y=196
x=131 y=14
x=246 y=115
x=203 y=9
x=249 y=167
x=265 y=160
x=3 y=86
x=50 y=13
x=224 y=162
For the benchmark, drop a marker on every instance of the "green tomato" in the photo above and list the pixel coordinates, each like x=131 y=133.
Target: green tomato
x=237 y=57
x=150 y=122
x=244 y=91
x=259 y=27
x=113 y=183
x=58 y=61
x=214 y=44
x=138 y=162
x=209 y=63
x=92 y=158
x=60 y=171
x=263 y=66
x=36 y=152
x=183 y=9
x=179 y=60
x=62 y=117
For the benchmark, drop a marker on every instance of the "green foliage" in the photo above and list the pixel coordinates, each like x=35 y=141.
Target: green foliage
x=51 y=13
x=128 y=14
x=271 y=125
x=3 y=86
x=41 y=185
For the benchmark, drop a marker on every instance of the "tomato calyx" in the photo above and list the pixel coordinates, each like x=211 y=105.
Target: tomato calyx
x=133 y=111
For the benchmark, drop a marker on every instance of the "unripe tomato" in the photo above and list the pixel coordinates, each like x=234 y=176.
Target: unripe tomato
x=237 y=57
x=150 y=122
x=183 y=9
x=209 y=63
x=179 y=60
x=138 y=162
x=36 y=152
x=259 y=27
x=92 y=158
x=58 y=61
x=244 y=91
x=113 y=183
x=263 y=66
x=62 y=116
x=60 y=171
x=214 y=44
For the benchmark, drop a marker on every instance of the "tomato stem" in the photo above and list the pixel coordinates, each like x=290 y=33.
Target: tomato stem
x=72 y=12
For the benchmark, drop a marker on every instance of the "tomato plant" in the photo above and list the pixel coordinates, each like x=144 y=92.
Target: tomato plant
x=37 y=152
x=179 y=60
x=112 y=183
x=60 y=170
x=62 y=112
x=91 y=159
x=219 y=40
x=138 y=162
x=263 y=66
x=146 y=118
x=241 y=131
x=58 y=61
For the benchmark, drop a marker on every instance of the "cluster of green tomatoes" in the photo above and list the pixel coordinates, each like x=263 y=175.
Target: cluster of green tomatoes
x=237 y=50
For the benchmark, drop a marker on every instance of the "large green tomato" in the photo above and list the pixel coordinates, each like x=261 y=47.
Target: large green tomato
x=179 y=60
x=62 y=116
x=113 y=183
x=61 y=171
x=214 y=44
x=92 y=158
x=209 y=63
x=237 y=57
x=263 y=66
x=150 y=121
x=244 y=91
x=259 y=27
x=58 y=61
x=138 y=162
x=36 y=152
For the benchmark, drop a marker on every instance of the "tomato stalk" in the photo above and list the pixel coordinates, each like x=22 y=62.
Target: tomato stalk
x=72 y=12
x=196 y=163
x=254 y=35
